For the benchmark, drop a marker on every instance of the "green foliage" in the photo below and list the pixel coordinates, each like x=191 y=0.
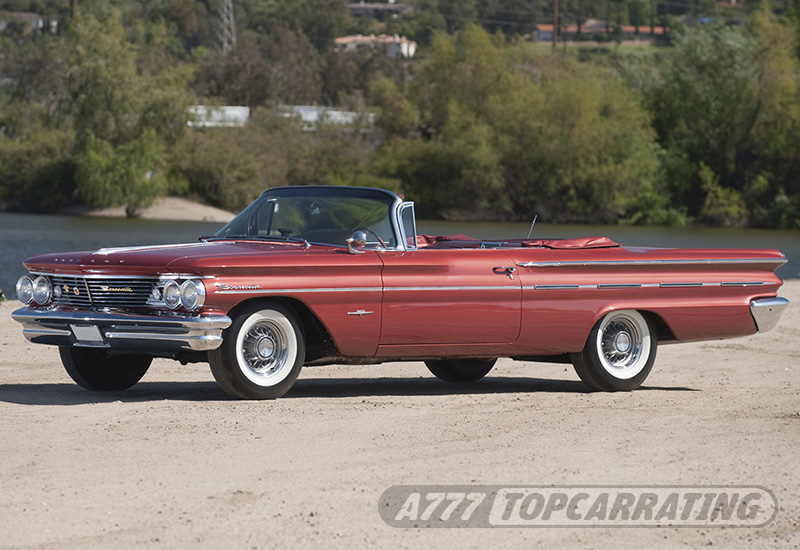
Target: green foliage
x=229 y=167
x=722 y=206
x=395 y=113
x=479 y=125
x=320 y=20
x=216 y=169
x=110 y=176
x=34 y=159
x=725 y=105
x=507 y=133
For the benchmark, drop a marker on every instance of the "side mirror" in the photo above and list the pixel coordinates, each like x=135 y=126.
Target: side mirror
x=357 y=241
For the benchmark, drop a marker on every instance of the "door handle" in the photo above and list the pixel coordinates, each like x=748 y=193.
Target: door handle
x=507 y=270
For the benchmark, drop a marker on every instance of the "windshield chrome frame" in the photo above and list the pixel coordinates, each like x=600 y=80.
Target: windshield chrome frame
x=398 y=222
x=394 y=213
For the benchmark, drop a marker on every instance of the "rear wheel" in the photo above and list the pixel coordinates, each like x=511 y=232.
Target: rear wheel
x=261 y=354
x=98 y=371
x=460 y=370
x=619 y=352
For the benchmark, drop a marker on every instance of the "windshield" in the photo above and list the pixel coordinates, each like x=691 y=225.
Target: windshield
x=324 y=215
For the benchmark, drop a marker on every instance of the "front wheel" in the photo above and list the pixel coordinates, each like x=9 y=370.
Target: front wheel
x=619 y=352
x=460 y=370
x=96 y=370
x=261 y=354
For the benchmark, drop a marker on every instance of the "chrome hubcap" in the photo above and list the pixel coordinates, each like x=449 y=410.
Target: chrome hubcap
x=621 y=343
x=265 y=347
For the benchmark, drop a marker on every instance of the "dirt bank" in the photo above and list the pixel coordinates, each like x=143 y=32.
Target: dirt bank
x=171 y=208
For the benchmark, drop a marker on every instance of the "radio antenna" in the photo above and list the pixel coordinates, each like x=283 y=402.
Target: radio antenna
x=532 y=224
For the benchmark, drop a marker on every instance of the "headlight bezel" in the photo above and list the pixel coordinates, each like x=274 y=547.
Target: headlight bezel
x=25 y=284
x=192 y=294
x=171 y=294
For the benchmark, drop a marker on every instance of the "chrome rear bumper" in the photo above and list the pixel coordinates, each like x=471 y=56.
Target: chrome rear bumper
x=767 y=312
x=121 y=331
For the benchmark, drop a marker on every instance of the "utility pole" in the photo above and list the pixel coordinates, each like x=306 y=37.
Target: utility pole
x=227 y=25
x=73 y=7
x=555 y=26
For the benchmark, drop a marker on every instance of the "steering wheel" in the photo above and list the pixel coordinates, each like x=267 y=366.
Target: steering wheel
x=371 y=232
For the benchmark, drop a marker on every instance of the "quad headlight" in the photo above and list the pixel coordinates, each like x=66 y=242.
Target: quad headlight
x=172 y=294
x=42 y=290
x=25 y=289
x=190 y=295
x=193 y=294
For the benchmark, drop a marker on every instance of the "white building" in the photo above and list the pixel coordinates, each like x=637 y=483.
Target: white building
x=203 y=116
x=395 y=46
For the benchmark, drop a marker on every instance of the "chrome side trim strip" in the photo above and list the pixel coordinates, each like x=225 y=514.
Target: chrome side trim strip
x=367 y=289
x=298 y=290
x=507 y=287
x=634 y=286
x=611 y=263
x=602 y=286
x=566 y=286
x=555 y=287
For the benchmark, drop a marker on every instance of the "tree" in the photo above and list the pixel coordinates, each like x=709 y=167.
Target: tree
x=123 y=120
x=506 y=133
x=724 y=104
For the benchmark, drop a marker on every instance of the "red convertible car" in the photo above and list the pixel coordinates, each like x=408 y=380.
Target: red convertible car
x=318 y=275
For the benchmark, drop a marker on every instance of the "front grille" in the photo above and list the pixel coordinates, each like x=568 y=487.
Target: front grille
x=102 y=292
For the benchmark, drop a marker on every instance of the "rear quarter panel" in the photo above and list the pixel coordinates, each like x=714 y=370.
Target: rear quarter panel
x=698 y=294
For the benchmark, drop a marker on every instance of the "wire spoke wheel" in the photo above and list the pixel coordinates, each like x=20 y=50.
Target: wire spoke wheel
x=621 y=346
x=261 y=355
x=619 y=352
x=265 y=348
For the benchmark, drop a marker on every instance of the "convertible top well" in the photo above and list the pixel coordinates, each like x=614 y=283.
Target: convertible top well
x=462 y=241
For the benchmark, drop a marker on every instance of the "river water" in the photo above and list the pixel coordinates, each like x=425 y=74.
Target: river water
x=25 y=235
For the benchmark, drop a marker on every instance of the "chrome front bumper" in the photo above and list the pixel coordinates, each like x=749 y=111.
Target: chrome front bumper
x=120 y=331
x=767 y=312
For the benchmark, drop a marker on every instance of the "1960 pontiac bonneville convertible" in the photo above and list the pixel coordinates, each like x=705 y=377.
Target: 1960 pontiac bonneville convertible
x=315 y=275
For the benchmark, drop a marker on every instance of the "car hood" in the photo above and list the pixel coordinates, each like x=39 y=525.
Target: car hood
x=177 y=257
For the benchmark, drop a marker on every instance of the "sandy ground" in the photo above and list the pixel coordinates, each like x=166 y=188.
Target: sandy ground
x=171 y=208
x=172 y=462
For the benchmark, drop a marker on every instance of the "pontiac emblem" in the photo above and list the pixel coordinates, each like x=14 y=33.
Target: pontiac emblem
x=360 y=312
x=66 y=288
x=75 y=291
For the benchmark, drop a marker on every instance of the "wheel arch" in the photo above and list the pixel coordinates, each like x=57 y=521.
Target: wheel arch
x=318 y=340
x=662 y=330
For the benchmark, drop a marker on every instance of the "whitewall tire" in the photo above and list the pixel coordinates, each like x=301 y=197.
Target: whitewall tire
x=619 y=352
x=262 y=353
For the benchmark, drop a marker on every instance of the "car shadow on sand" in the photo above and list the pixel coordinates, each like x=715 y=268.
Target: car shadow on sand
x=71 y=394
